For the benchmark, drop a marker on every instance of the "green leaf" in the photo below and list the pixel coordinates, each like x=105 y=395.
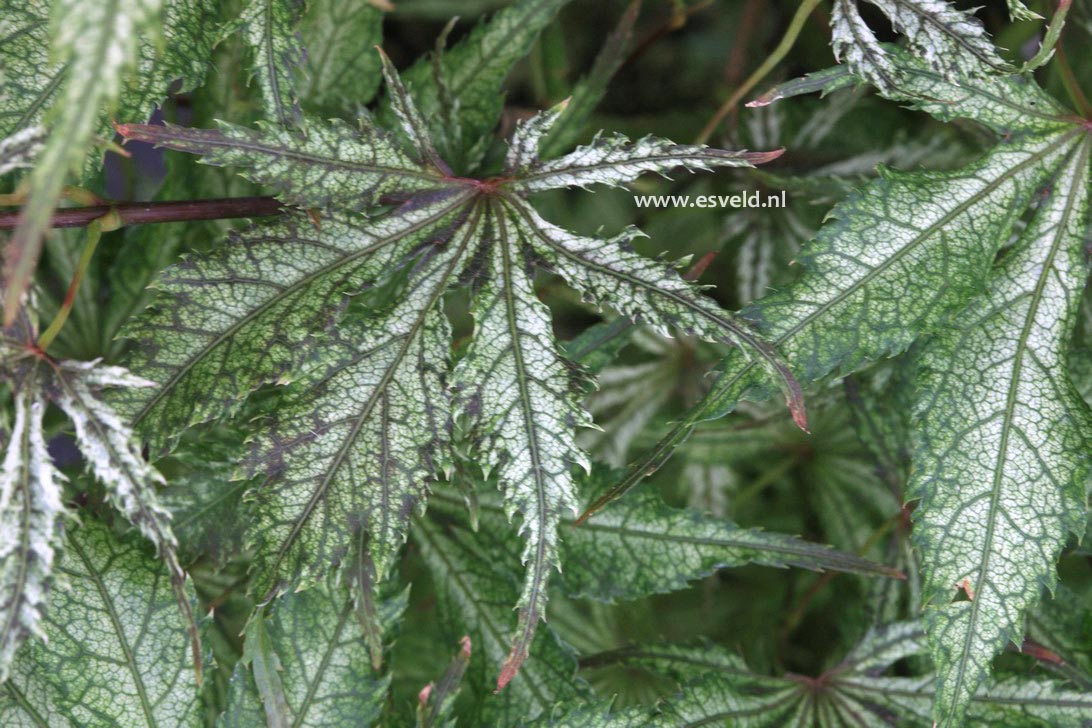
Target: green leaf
x=67 y=67
x=910 y=250
x=436 y=701
x=472 y=75
x=999 y=464
x=360 y=437
x=335 y=165
x=718 y=686
x=269 y=27
x=641 y=546
x=907 y=248
x=1062 y=623
x=112 y=452
x=611 y=160
x=1019 y=11
x=252 y=312
x=30 y=504
x=208 y=514
x=176 y=57
x=518 y=396
x=365 y=425
x=628 y=396
x=860 y=687
x=116 y=654
x=341 y=72
x=19 y=150
x=32 y=76
x=587 y=94
x=304 y=663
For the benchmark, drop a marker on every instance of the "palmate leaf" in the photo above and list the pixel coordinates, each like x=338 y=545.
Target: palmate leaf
x=903 y=255
x=366 y=424
x=717 y=687
x=304 y=663
x=30 y=498
x=907 y=248
x=115 y=651
x=863 y=689
x=66 y=66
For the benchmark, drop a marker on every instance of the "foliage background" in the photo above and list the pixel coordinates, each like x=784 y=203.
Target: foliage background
x=842 y=484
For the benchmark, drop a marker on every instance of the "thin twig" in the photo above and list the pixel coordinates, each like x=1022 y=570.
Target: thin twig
x=136 y=213
x=1072 y=86
x=94 y=233
x=795 y=26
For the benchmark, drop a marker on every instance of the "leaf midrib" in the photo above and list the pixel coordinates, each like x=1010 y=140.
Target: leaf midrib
x=1061 y=230
x=378 y=393
x=138 y=680
x=25 y=528
x=538 y=576
x=313 y=685
x=736 y=331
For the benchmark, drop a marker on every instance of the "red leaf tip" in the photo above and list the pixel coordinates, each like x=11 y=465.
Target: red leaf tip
x=763 y=157
x=510 y=668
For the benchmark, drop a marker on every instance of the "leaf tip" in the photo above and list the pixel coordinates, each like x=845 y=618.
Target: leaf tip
x=511 y=667
x=794 y=398
x=465 y=647
x=763 y=157
x=125 y=131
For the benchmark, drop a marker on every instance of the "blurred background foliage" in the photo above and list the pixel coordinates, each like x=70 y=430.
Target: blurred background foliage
x=842 y=484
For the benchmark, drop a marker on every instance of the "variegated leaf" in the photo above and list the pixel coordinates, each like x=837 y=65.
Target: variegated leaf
x=1000 y=464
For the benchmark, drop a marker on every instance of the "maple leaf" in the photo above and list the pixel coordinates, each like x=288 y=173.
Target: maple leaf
x=350 y=312
x=31 y=510
x=1000 y=486
x=716 y=685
